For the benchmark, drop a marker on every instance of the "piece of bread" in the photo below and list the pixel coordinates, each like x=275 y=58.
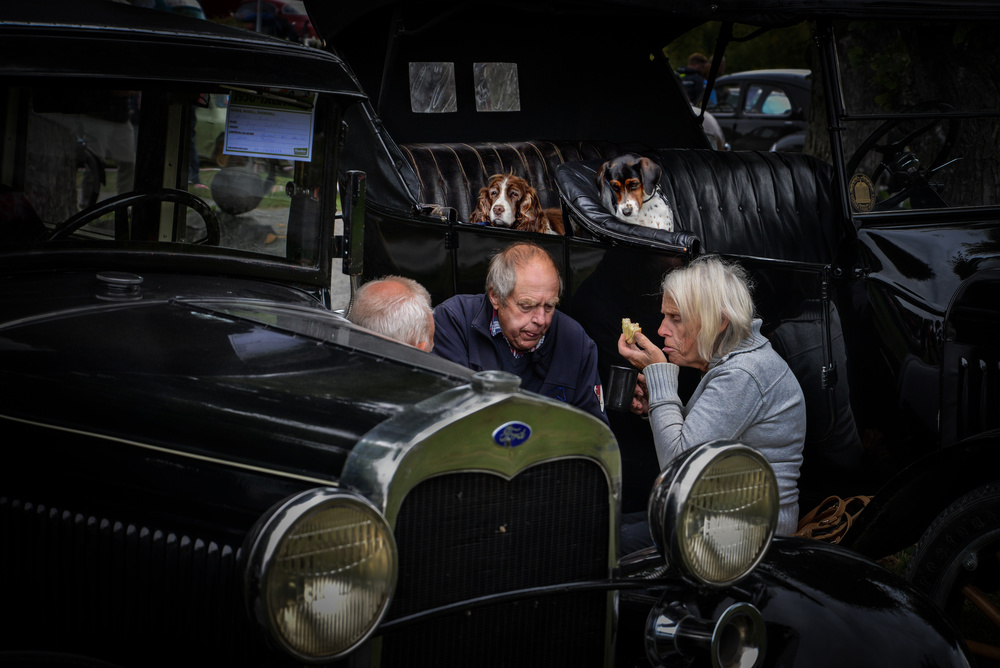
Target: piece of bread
x=630 y=329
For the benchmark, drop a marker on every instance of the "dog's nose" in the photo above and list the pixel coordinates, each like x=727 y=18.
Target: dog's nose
x=498 y=210
x=627 y=210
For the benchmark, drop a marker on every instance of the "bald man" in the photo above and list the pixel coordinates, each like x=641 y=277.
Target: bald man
x=396 y=307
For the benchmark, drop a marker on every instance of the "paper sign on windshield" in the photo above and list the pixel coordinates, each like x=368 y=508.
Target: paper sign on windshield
x=264 y=127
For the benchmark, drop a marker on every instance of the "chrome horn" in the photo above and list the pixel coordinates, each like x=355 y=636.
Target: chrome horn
x=675 y=637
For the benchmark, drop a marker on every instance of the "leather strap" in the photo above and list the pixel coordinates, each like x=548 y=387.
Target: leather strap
x=832 y=518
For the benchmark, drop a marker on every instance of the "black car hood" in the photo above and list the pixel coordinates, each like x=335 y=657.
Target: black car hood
x=264 y=378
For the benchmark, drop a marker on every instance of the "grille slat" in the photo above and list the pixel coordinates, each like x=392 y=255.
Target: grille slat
x=93 y=585
x=473 y=534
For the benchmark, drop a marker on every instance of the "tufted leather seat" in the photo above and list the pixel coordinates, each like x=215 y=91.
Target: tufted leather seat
x=773 y=205
x=451 y=175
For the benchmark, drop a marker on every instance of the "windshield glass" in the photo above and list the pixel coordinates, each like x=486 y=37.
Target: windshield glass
x=215 y=165
x=921 y=115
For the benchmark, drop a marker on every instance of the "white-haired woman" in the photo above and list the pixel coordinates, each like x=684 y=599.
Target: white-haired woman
x=747 y=392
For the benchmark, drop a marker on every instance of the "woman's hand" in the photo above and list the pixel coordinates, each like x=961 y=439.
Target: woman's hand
x=642 y=353
x=640 y=399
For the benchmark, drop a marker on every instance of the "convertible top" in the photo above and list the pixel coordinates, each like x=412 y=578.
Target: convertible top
x=333 y=17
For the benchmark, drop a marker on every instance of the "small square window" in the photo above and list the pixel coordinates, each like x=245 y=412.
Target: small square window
x=432 y=88
x=496 y=87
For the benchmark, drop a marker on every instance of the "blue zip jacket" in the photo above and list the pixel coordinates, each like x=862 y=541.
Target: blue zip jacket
x=563 y=368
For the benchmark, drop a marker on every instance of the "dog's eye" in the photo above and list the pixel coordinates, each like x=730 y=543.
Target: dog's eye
x=616 y=186
x=494 y=192
x=633 y=184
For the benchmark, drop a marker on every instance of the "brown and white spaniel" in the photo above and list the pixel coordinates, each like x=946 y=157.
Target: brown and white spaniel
x=510 y=201
x=629 y=187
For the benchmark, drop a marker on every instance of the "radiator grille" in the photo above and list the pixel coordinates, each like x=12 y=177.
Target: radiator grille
x=472 y=534
x=91 y=585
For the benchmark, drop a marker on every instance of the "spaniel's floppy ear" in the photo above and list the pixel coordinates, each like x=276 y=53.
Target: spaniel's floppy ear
x=600 y=177
x=482 y=212
x=530 y=210
x=603 y=189
x=650 y=174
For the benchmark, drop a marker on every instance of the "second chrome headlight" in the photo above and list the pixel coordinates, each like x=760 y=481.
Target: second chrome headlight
x=713 y=512
x=321 y=573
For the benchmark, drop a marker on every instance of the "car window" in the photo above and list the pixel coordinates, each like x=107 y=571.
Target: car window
x=923 y=141
x=767 y=100
x=728 y=99
x=248 y=10
x=433 y=89
x=250 y=159
x=496 y=87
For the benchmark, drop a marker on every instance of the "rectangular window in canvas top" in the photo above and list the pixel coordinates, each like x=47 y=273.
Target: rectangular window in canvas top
x=432 y=88
x=496 y=87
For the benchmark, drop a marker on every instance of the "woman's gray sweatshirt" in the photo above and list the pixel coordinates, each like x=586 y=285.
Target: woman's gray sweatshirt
x=749 y=396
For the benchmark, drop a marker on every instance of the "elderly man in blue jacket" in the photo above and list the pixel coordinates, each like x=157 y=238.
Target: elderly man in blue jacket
x=514 y=326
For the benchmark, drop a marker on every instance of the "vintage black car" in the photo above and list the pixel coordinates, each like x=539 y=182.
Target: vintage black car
x=205 y=464
x=875 y=253
x=759 y=108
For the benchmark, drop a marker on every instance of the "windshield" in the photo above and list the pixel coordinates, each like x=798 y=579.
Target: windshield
x=188 y=165
x=921 y=118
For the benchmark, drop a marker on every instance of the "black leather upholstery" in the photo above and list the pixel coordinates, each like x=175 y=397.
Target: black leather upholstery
x=774 y=205
x=451 y=174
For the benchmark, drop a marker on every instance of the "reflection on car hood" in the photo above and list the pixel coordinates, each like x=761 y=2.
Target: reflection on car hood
x=252 y=379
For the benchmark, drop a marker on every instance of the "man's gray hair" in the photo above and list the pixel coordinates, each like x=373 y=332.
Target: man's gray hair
x=708 y=292
x=501 y=277
x=406 y=316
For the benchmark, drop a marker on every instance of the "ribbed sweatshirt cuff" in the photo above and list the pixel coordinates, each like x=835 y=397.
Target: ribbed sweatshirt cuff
x=661 y=381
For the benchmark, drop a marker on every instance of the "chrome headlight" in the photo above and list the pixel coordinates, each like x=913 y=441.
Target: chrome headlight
x=713 y=512
x=321 y=572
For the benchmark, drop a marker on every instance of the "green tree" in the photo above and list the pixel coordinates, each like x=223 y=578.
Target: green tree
x=778 y=48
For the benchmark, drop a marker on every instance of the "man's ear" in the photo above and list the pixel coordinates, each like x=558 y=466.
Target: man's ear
x=424 y=345
x=493 y=298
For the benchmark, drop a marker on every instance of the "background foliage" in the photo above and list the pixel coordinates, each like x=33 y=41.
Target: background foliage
x=780 y=48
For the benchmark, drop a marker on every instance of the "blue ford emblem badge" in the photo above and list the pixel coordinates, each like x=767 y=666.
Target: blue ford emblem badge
x=511 y=434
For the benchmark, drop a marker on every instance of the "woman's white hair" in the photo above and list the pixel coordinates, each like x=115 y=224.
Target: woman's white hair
x=711 y=293
x=404 y=316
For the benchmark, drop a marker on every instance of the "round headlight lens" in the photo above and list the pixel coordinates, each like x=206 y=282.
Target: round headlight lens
x=323 y=572
x=728 y=519
x=720 y=513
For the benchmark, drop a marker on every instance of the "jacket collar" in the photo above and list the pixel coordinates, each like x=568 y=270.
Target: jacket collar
x=755 y=341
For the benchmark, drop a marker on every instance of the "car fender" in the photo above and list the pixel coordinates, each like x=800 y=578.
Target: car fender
x=903 y=507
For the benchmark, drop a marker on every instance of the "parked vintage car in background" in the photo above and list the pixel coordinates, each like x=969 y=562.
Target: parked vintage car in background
x=758 y=108
x=207 y=465
x=876 y=267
